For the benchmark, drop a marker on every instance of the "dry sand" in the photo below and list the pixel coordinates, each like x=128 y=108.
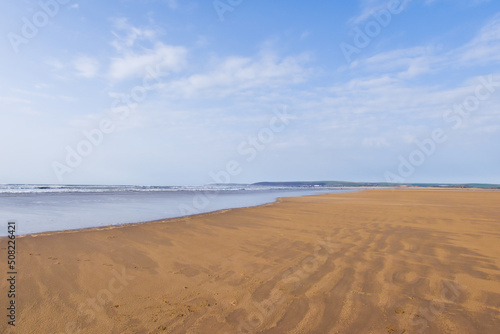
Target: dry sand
x=369 y=262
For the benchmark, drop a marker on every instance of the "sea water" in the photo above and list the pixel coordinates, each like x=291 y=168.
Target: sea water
x=42 y=208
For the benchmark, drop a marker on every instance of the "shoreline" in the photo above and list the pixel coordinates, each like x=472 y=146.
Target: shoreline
x=368 y=261
x=120 y=225
x=277 y=200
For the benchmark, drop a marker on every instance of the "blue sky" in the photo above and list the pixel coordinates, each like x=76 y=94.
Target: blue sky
x=173 y=92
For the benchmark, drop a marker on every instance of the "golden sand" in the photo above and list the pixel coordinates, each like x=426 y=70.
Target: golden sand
x=369 y=262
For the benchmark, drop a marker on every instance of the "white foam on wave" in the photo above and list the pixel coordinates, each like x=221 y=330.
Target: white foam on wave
x=36 y=188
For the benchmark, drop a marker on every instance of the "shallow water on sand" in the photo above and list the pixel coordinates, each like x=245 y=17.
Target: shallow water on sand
x=41 y=210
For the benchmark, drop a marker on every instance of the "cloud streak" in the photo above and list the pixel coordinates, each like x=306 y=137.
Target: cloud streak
x=167 y=57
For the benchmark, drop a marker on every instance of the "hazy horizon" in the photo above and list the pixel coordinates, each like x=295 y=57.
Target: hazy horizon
x=235 y=183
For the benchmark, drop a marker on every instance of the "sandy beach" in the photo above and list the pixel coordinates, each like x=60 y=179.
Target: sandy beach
x=378 y=261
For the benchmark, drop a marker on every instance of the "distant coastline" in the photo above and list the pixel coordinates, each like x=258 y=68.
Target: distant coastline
x=345 y=184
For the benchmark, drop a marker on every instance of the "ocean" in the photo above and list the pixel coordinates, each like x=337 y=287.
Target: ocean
x=45 y=208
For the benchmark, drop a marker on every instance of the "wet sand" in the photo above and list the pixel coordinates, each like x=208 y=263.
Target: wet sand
x=377 y=261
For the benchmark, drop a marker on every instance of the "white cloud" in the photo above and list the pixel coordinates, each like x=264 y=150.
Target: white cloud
x=406 y=62
x=485 y=47
x=370 y=7
x=86 y=67
x=166 y=57
x=237 y=74
x=131 y=35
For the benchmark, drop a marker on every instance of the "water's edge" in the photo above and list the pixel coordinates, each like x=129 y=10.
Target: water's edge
x=49 y=213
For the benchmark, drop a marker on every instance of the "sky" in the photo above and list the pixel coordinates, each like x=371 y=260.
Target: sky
x=172 y=92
